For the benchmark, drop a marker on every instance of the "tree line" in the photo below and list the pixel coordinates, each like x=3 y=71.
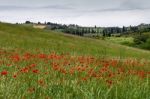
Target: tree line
x=103 y=31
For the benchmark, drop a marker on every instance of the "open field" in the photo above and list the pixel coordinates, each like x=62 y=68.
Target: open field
x=42 y=64
x=120 y=40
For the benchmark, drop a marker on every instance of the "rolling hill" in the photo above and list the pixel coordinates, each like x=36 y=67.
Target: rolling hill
x=43 y=64
x=27 y=38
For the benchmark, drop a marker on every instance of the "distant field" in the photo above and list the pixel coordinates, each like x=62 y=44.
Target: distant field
x=120 y=40
x=43 y=64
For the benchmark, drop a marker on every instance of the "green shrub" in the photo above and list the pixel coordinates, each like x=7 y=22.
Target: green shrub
x=127 y=43
x=146 y=45
x=139 y=39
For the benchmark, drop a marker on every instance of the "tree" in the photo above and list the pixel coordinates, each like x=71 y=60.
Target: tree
x=93 y=31
x=89 y=30
x=123 y=29
x=39 y=22
x=27 y=22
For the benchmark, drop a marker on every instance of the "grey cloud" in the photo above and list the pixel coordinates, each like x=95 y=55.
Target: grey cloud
x=117 y=9
x=56 y=7
x=83 y=5
x=5 y=7
x=135 y=4
x=63 y=7
x=126 y=5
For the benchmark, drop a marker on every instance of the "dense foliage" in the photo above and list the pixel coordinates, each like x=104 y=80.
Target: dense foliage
x=142 y=41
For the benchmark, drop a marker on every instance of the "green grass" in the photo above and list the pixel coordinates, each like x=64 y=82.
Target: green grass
x=69 y=67
x=120 y=40
x=26 y=38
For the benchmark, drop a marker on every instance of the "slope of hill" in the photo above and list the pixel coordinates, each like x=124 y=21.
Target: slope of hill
x=26 y=38
x=44 y=64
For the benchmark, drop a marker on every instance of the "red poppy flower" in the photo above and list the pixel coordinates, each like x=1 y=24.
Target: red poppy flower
x=14 y=76
x=35 y=71
x=4 y=72
x=24 y=70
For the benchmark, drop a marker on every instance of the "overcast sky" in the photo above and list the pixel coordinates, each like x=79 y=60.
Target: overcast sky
x=82 y=12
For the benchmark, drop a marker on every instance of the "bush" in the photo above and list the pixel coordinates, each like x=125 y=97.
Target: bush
x=146 y=45
x=127 y=43
x=139 y=39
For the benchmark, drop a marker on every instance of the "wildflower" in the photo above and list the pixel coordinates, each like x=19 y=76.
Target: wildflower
x=114 y=63
x=27 y=56
x=141 y=74
x=46 y=73
x=62 y=70
x=35 y=71
x=42 y=56
x=15 y=58
x=120 y=70
x=24 y=70
x=110 y=75
x=4 y=72
x=8 y=65
x=32 y=66
x=109 y=82
x=72 y=71
x=41 y=82
x=106 y=65
x=84 y=79
x=15 y=75
x=31 y=90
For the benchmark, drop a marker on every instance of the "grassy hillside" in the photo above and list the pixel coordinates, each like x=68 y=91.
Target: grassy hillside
x=42 y=64
x=26 y=38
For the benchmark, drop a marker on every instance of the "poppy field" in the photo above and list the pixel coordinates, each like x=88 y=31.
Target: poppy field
x=49 y=76
x=41 y=64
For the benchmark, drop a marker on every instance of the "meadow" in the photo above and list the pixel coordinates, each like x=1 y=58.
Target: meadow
x=120 y=40
x=43 y=64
